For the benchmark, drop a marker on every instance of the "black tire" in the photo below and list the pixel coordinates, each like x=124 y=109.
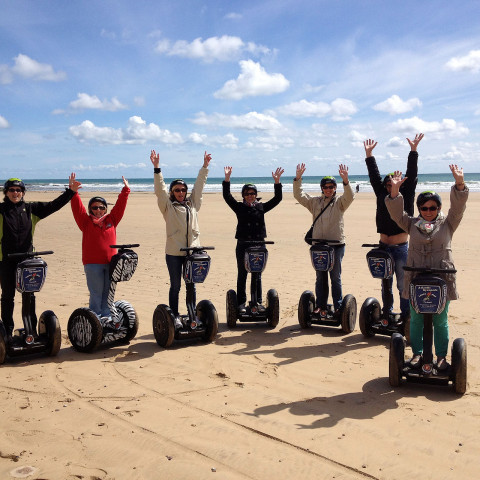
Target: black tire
x=49 y=321
x=273 y=308
x=348 y=313
x=84 y=330
x=232 y=309
x=370 y=308
x=306 y=306
x=3 y=349
x=459 y=365
x=396 y=360
x=164 y=325
x=207 y=314
x=130 y=319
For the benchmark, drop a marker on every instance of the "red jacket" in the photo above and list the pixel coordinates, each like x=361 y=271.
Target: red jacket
x=96 y=240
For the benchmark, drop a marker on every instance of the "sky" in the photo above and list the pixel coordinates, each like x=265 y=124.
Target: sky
x=93 y=86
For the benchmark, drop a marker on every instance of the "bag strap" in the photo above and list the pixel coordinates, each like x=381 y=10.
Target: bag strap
x=323 y=209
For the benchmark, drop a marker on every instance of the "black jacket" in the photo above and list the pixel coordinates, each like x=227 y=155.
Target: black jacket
x=251 y=220
x=18 y=221
x=385 y=224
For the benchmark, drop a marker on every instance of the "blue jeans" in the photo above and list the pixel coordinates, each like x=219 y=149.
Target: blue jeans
x=98 y=283
x=174 y=265
x=321 y=291
x=399 y=254
x=440 y=332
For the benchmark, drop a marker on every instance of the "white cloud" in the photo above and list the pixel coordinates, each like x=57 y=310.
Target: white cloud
x=5 y=75
x=436 y=129
x=92 y=102
x=454 y=155
x=3 y=122
x=137 y=132
x=233 y=16
x=249 y=121
x=251 y=82
x=270 y=142
x=395 y=142
x=225 y=48
x=395 y=105
x=356 y=138
x=108 y=166
x=339 y=109
x=228 y=141
x=467 y=63
x=28 y=68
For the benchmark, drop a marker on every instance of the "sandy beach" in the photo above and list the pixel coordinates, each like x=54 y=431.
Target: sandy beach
x=254 y=404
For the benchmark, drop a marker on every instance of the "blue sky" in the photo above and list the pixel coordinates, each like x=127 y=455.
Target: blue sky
x=93 y=86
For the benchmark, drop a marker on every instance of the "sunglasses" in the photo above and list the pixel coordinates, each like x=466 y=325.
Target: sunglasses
x=249 y=194
x=328 y=187
x=14 y=190
x=98 y=207
x=180 y=190
x=428 y=209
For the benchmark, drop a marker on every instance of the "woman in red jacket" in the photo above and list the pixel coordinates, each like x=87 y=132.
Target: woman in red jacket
x=99 y=232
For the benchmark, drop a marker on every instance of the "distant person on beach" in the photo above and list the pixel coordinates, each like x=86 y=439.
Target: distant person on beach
x=180 y=212
x=328 y=210
x=17 y=224
x=98 y=233
x=431 y=235
x=250 y=214
x=392 y=237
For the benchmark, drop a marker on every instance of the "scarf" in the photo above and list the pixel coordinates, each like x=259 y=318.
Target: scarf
x=98 y=221
x=250 y=204
x=427 y=227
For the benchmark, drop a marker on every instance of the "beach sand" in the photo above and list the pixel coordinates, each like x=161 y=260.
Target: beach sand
x=254 y=404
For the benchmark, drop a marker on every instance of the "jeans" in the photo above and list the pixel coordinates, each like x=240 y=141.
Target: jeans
x=321 y=291
x=399 y=254
x=440 y=332
x=7 y=280
x=242 y=275
x=175 y=265
x=98 y=283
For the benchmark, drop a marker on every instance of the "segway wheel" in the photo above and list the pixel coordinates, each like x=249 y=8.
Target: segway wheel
x=273 y=308
x=3 y=349
x=305 y=309
x=348 y=314
x=207 y=314
x=49 y=321
x=369 y=312
x=130 y=319
x=164 y=325
x=84 y=330
x=232 y=309
x=459 y=365
x=396 y=360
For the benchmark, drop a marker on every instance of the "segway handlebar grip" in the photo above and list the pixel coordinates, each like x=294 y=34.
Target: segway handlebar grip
x=430 y=270
x=196 y=249
x=28 y=254
x=324 y=240
x=371 y=245
x=258 y=242
x=127 y=245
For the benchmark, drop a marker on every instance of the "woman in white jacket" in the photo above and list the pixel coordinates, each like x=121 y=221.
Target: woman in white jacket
x=181 y=219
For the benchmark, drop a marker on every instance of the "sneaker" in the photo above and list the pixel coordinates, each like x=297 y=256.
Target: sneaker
x=260 y=308
x=316 y=311
x=416 y=360
x=178 y=323
x=442 y=363
x=242 y=309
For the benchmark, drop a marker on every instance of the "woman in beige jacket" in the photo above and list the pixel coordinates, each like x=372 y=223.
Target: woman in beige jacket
x=430 y=245
x=181 y=219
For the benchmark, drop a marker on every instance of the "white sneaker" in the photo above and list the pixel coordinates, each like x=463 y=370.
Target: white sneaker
x=178 y=322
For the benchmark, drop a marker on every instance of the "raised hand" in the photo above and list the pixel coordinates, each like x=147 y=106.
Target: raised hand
x=414 y=143
x=457 y=173
x=277 y=174
x=206 y=159
x=343 y=172
x=369 y=146
x=125 y=181
x=228 y=173
x=73 y=184
x=300 y=170
x=397 y=182
x=155 y=158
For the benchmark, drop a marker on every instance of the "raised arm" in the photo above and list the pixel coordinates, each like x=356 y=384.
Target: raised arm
x=277 y=174
x=373 y=173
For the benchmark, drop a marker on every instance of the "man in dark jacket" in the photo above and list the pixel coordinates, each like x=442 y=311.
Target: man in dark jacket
x=251 y=225
x=392 y=237
x=17 y=225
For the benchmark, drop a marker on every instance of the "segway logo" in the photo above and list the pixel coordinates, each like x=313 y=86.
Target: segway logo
x=30 y=279
x=256 y=261
x=196 y=271
x=428 y=298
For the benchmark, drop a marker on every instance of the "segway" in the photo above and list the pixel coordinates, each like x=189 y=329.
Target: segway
x=256 y=256
x=428 y=294
x=373 y=319
x=201 y=321
x=322 y=255
x=86 y=330
x=30 y=276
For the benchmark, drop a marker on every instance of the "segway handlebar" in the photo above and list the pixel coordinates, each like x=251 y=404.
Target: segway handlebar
x=196 y=249
x=127 y=245
x=430 y=270
x=324 y=240
x=29 y=254
x=258 y=242
x=371 y=245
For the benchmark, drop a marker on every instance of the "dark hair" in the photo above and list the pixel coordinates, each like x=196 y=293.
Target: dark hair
x=424 y=197
x=13 y=182
x=96 y=199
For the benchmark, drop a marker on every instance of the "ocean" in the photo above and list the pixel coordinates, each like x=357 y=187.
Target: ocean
x=440 y=182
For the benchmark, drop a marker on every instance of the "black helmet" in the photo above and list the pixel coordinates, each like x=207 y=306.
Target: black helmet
x=326 y=180
x=96 y=199
x=424 y=197
x=13 y=182
x=177 y=181
x=249 y=186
